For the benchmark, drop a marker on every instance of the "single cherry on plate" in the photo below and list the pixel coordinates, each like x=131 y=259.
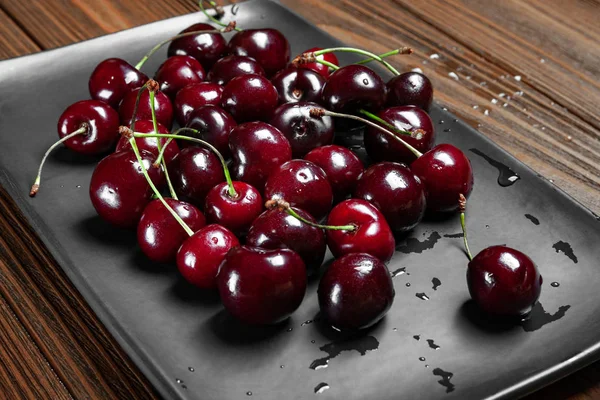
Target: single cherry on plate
x=410 y=88
x=319 y=68
x=162 y=107
x=260 y=286
x=396 y=192
x=112 y=79
x=213 y=125
x=302 y=131
x=177 y=72
x=249 y=98
x=200 y=255
x=207 y=48
x=229 y=67
x=352 y=88
x=235 y=212
x=159 y=235
x=267 y=46
x=295 y=84
x=150 y=144
x=194 y=96
x=355 y=292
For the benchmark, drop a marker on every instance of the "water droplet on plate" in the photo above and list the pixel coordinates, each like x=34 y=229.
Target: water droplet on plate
x=447 y=130
x=290 y=329
x=407 y=284
x=307 y=322
x=432 y=344
x=321 y=387
x=184 y=387
x=555 y=284
x=421 y=358
x=422 y=296
x=178 y=380
x=78 y=186
x=417 y=337
x=282 y=366
x=313 y=341
x=248 y=393
x=395 y=329
x=191 y=369
x=441 y=121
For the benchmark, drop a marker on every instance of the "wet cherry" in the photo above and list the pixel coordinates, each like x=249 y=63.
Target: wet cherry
x=229 y=67
x=354 y=87
x=267 y=46
x=112 y=79
x=249 y=98
x=410 y=88
x=162 y=107
x=295 y=84
x=234 y=213
x=321 y=69
x=194 y=96
x=207 y=48
x=150 y=144
x=213 y=125
x=177 y=72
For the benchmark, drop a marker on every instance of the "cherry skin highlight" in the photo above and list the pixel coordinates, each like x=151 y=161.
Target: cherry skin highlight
x=150 y=144
x=207 y=48
x=177 y=72
x=249 y=98
x=354 y=87
x=162 y=107
x=229 y=67
x=234 y=213
x=295 y=84
x=410 y=88
x=194 y=96
x=112 y=79
x=267 y=46
x=319 y=68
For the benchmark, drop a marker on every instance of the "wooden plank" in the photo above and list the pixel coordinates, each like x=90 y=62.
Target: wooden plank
x=14 y=41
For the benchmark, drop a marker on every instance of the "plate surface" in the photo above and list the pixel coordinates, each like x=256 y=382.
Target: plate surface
x=189 y=348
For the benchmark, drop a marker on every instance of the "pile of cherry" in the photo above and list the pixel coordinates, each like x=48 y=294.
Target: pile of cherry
x=256 y=227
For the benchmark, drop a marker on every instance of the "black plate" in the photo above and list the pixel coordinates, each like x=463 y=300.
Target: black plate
x=169 y=329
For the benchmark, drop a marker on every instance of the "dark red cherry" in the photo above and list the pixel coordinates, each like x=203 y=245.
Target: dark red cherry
x=259 y=286
x=229 y=67
x=341 y=166
x=150 y=144
x=446 y=173
x=257 y=149
x=276 y=229
x=112 y=79
x=234 y=213
x=396 y=192
x=177 y=72
x=372 y=234
x=101 y=121
x=194 y=96
x=213 y=125
x=355 y=292
x=303 y=185
x=303 y=131
x=118 y=189
x=354 y=87
x=249 y=98
x=504 y=281
x=380 y=147
x=321 y=69
x=267 y=46
x=162 y=107
x=410 y=88
x=200 y=255
x=159 y=235
x=207 y=48
x=193 y=172
x=294 y=84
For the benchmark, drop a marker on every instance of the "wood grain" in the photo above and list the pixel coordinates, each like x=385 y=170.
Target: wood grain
x=526 y=74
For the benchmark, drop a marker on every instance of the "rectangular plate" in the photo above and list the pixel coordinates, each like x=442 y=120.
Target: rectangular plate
x=167 y=327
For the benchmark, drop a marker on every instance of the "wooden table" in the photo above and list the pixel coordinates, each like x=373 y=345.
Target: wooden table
x=525 y=73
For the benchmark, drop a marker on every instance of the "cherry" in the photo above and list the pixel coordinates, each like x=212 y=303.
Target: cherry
x=410 y=88
x=341 y=166
x=295 y=84
x=112 y=79
x=260 y=286
x=302 y=184
x=321 y=69
x=276 y=229
x=354 y=87
x=229 y=67
x=177 y=72
x=213 y=124
x=159 y=235
x=446 y=173
x=207 y=48
x=257 y=149
x=200 y=255
x=396 y=192
x=249 y=98
x=193 y=172
x=355 y=292
x=302 y=131
x=150 y=144
x=379 y=145
x=237 y=212
x=193 y=96
x=162 y=106
x=118 y=189
x=267 y=46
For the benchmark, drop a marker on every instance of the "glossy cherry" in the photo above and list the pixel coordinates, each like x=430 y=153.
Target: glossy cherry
x=410 y=88
x=118 y=189
x=257 y=149
x=148 y=143
x=396 y=192
x=295 y=84
x=267 y=46
x=213 y=125
x=341 y=166
x=162 y=108
x=159 y=235
x=249 y=98
x=302 y=131
x=276 y=229
x=177 y=72
x=372 y=234
x=260 y=286
x=112 y=79
x=355 y=292
x=446 y=173
x=321 y=69
x=229 y=67
x=380 y=147
x=234 y=213
x=354 y=87
x=194 y=96
x=207 y=48
x=200 y=255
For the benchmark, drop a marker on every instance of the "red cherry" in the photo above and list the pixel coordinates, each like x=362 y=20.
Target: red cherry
x=294 y=84
x=250 y=98
x=234 y=213
x=112 y=79
x=207 y=48
x=177 y=72
x=229 y=67
x=267 y=46
x=354 y=87
x=162 y=107
x=213 y=125
x=149 y=144
x=410 y=88
x=321 y=69
x=194 y=96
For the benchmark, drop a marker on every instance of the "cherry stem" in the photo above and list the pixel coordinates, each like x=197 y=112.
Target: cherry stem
x=387 y=124
x=462 y=207
x=285 y=206
x=159 y=196
x=36 y=184
x=137 y=105
x=216 y=8
x=364 y=52
x=318 y=112
x=232 y=193
x=384 y=55
x=159 y=147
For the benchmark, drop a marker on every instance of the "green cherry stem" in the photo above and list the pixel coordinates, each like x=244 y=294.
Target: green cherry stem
x=285 y=206
x=384 y=55
x=213 y=19
x=404 y=50
x=462 y=207
x=137 y=105
x=387 y=124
